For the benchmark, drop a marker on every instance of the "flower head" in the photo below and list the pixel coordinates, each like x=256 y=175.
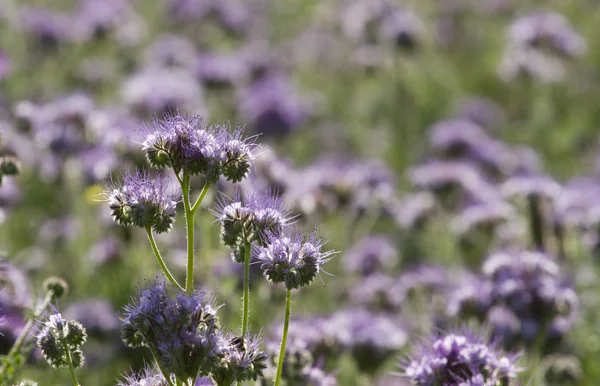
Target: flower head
x=189 y=144
x=243 y=360
x=143 y=201
x=250 y=218
x=294 y=260
x=460 y=358
x=60 y=340
x=149 y=376
x=185 y=334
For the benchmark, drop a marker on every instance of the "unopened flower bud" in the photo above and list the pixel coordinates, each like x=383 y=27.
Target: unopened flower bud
x=57 y=286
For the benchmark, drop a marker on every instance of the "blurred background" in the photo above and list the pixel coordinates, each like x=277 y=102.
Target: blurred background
x=420 y=137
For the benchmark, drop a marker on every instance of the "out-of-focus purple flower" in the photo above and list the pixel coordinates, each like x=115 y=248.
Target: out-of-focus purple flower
x=546 y=31
x=96 y=315
x=300 y=366
x=412 y=211
x=531 y=185
x=460 y=357
x=48 y=28
x=15 y=298
x=97 y=163
x=485 y=217
x=454 y=183
x=5 y=66
x=104 y=251
x=578 y=204
x=58 y=229
x=371 y=254
x=231 y=14
x=96 y=19
x=330 y=184
x=378 y=292
x=403 y=27
x=271 y=106
x=531 y=287
x=97 y=70
x=539 y=191
x=372 y=338
x=473 y=296
x=370 y=22
x=456 y=136
x=481 y=111
x=221 y=69
x=170 y=51
x=158 y=91
x=531 y=64
x=10 y=194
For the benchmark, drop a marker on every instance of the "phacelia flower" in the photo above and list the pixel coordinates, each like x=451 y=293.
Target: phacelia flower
x=143 y=201
x=250 y=218
x=182 y=331
x=238 y=155
x=60 y=341
x=199 y=149
x=460 y=359
x=294 y=260
x=243 y=361
x=185 y=334
x=149 y=376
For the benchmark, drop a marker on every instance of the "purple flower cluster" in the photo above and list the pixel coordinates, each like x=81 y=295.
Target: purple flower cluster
x=383 y=292
x=294 y=260
x=60 y=341
x=197 y=149
x=538 y=45
x=251 y=218
x=522 y=295
x=460 y=359
x=370 y=338
x=143 y=201
x=186 y=337
x=373 y=22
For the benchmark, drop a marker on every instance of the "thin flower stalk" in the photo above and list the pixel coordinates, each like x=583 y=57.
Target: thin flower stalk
x=288 y=308
x=160 y=260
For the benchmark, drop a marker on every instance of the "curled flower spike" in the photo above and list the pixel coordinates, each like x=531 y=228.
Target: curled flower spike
x=60 y=341
x=460 y=358
x=143 y=201
x=164 y=147
x=204 y=154
x=238 y=151
x=294 y=260
x=249 y=218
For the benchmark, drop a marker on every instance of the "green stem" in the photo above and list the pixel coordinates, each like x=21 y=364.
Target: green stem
x=25 y=331
x=201 y=197
x=71 y=368
x=160 y=260
x=288 y=307
x=246 y=288
x=189 y=224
